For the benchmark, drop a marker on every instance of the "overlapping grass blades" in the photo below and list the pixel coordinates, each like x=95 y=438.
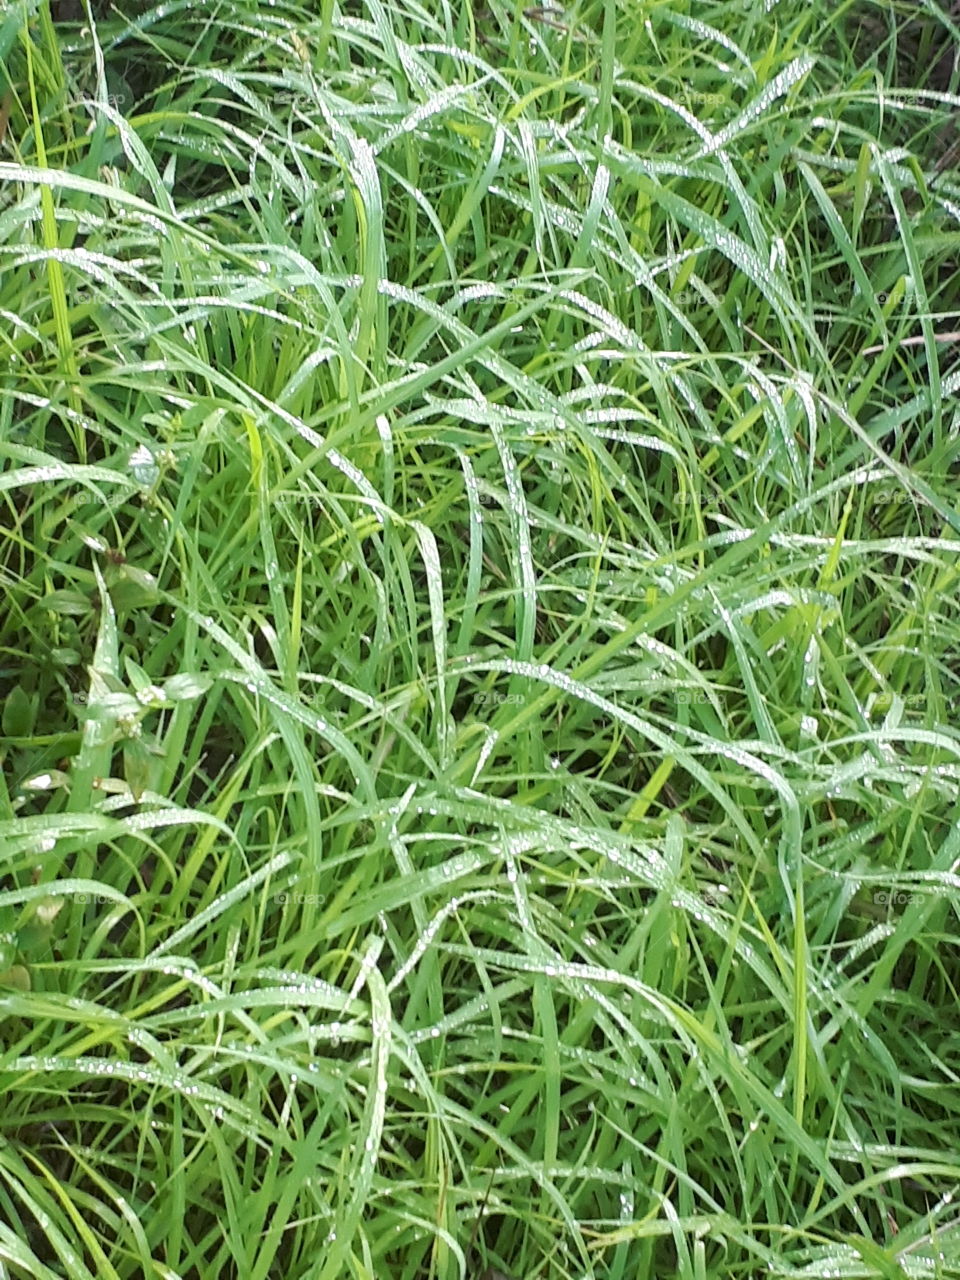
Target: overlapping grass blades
x=480 y=644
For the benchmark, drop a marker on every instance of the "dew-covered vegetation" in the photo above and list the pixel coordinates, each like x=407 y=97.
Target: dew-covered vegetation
x=479 y=647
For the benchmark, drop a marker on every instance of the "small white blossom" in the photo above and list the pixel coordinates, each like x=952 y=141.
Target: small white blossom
x=129 y=726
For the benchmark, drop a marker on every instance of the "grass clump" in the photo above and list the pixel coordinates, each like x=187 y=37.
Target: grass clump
x=479 y=653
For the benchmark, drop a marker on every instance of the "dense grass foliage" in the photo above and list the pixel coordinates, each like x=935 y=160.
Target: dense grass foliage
x=480 y=663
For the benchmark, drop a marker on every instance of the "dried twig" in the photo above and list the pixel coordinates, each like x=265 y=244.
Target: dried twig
x=6 y=106
x=912 y=342
x=491 y=1273
x=540 y=13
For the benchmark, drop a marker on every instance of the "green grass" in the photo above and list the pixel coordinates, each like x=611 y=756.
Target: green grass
x=480 y=653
